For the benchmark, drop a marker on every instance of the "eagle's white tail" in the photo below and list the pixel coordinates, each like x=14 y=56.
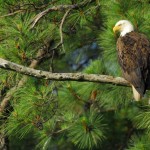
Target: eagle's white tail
x=136 y=95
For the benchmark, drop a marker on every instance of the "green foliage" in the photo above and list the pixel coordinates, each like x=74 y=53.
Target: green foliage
x=88 y=131
x=33 y=106
x=71 y=115
x=139 y=143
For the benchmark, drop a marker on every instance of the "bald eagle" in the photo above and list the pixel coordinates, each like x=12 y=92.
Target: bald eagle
x=134 y=57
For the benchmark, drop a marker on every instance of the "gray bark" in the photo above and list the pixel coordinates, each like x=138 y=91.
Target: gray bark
x=62 y=76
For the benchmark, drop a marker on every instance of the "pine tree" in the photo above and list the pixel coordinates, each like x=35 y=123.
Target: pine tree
x=43 y=114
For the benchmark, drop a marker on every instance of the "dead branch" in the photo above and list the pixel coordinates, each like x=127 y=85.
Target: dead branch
x=61 y=32
x=57 y=8
x=62 y=76
x=11 y=14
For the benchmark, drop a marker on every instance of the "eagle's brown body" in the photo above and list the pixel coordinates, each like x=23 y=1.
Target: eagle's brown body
x=134 y=59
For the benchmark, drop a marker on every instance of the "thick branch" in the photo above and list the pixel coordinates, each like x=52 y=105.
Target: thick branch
x=62 y=76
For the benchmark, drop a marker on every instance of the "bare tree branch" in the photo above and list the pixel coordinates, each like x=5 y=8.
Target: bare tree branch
x=62 y=76
x=11 y=14
x=22 y=8
x=57 y=8
x=61 y=32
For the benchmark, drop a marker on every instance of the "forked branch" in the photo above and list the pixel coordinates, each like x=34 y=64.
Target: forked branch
x=58 y=8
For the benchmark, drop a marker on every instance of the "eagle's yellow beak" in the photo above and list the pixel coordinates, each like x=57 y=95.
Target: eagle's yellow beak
x=116 y=28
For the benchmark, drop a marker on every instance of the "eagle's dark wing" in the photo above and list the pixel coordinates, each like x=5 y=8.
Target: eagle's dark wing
x=134 y=58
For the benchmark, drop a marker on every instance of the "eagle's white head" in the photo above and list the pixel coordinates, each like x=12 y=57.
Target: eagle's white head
x=123 y=26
